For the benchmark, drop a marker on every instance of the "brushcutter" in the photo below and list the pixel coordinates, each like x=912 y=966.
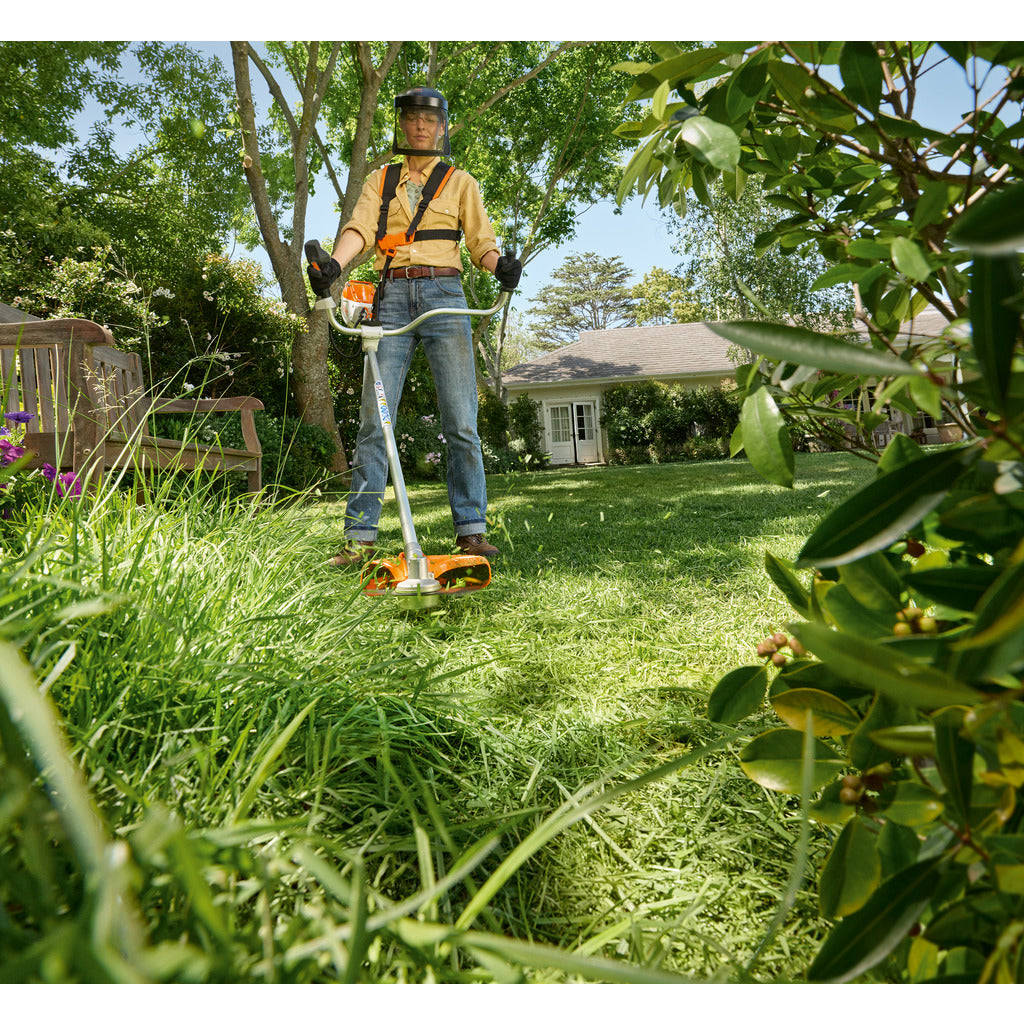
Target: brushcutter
x=419 y=580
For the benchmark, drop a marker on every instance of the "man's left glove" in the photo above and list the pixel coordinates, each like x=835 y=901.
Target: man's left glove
x=507 y=271
x=322 y=274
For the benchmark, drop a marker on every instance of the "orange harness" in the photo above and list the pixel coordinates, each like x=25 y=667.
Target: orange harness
x=388 y=244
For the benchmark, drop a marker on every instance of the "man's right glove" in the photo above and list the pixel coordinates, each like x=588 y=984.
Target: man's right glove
x=507 y=271
x=322 y=272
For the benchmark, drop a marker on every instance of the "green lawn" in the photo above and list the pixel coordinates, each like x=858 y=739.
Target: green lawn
x=541 y=743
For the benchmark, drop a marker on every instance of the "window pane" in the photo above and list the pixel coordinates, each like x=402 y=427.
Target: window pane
x=585 y=422
x=561 y=430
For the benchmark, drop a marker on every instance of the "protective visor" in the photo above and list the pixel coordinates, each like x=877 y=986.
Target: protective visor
x=421 y=124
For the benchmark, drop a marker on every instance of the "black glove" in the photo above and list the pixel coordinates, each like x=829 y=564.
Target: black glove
x=508 y=270
x=323 y=270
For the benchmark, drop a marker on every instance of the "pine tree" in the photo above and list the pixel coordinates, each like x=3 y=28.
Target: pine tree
x=589 y=293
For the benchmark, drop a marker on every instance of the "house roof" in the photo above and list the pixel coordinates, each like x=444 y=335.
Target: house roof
x=628 y=353
x=662 y=353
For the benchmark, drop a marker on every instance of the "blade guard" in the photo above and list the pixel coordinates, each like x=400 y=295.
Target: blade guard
x=457 y=574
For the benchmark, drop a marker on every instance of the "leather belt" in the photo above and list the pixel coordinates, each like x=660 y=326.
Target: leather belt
x=431 y=272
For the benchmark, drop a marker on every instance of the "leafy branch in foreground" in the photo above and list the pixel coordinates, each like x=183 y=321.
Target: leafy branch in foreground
x=906 y=659
x=833 y=136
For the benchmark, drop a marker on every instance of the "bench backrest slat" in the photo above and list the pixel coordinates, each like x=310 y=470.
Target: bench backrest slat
x=119 y=375
x=32 y=379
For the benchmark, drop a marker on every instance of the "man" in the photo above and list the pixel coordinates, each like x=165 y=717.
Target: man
x=419 y=276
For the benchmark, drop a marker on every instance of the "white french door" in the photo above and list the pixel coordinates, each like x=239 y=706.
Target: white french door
x=572 y=432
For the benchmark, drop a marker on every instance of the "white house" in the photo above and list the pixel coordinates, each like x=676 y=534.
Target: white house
x=570 y=381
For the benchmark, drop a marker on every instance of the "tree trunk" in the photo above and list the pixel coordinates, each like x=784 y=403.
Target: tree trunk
x=310 y=382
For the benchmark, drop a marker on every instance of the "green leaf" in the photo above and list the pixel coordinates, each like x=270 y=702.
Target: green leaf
x=851 y=873
x=861 y=749
x=690 y=66
x=775 y=760
x=902 y=451
x=738 y=694
x=744 y=89
x=884 y=510
x=907 y=740
x=866 y=937
x=933 y=205
x=898 y=847
x=994 y=226
x=1001 y=613
x=861 y=70
x=715 y=144
x=828 y=809
x=781 y=574
x=926 y=394
x=992 y=520
x=808 y=348
x=660 y=100
x=909 y=803
x=954 y=759
x=869 y=249
x=973 y=921
x=830 y=716
x=995 y=325
x=795 y=85
x=882 y=669
x=910 y=260
x=766 y=438
x=873 y=581
x=959 y=587
x=851 y=616
x=839 y=275
x=638 y=165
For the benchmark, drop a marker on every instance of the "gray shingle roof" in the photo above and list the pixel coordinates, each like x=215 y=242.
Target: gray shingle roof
x=661 y=353
x=626 y=353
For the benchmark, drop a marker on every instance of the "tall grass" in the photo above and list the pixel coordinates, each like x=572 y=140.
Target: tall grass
x=290 y=782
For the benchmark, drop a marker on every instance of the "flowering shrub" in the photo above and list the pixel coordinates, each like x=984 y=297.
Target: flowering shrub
x=422 y=449
x=22 y=489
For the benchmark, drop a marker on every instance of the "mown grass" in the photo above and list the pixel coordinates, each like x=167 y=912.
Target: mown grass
x=621 y=596
x=310 y=781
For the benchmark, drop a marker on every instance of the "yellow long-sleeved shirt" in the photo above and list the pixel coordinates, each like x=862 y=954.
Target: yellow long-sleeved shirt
x=458 y=205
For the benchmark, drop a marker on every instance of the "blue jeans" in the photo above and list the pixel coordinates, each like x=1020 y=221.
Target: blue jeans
x=448 y=344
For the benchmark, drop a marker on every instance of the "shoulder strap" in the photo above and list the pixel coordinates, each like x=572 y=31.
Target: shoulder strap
x=432 y=187
x=388 y=187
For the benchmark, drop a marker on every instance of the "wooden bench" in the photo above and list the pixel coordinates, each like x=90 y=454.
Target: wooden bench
x=93 y=411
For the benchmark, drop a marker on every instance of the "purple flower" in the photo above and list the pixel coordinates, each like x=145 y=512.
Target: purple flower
x=21 y=416
x=9 y=452
x=69 y=486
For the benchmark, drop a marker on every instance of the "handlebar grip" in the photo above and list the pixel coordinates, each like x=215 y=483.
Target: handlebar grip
x=315 y=255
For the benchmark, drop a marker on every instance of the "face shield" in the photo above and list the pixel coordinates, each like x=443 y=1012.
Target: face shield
x=421 y=123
